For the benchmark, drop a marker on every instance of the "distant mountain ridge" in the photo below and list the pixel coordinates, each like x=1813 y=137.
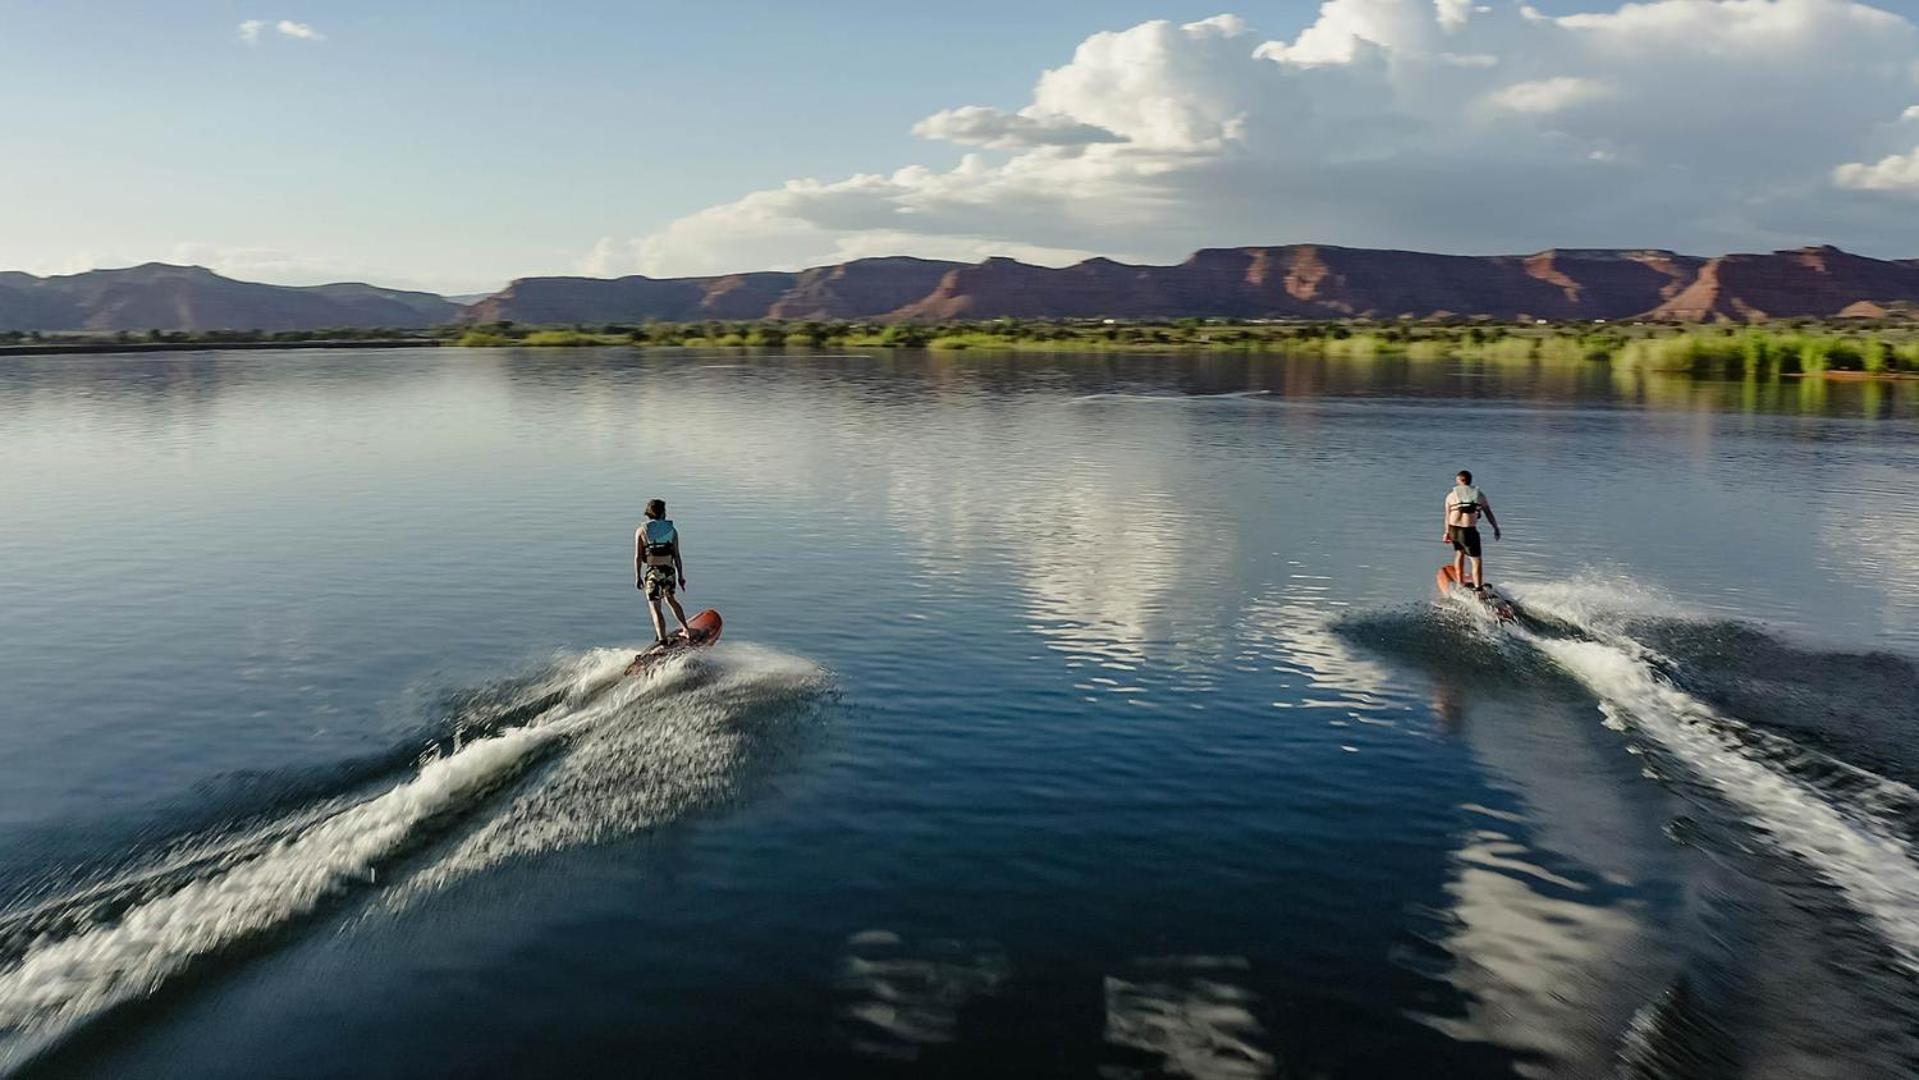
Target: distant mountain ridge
x=161 y=296
x=1310 y=281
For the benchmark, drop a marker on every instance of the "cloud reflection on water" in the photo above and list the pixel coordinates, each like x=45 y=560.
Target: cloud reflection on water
x=1190 y=1014
x=901 y=996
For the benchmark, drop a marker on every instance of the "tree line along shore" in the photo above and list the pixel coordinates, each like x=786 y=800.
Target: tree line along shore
x=1799 y=348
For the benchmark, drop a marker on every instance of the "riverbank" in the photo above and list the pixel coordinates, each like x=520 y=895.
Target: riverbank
x=1803 y=349
x=1841 y=350
x=57 y=348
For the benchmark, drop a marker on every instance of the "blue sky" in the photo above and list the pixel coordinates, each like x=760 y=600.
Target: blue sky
x=453 y=146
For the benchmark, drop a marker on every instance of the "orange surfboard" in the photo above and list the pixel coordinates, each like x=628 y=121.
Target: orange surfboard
x=701 y=631
x=1448 y=579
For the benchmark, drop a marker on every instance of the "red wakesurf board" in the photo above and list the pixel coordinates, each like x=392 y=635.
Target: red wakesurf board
x=1501 y=608
x=701 y=631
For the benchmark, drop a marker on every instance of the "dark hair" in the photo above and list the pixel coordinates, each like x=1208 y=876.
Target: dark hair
x=1465 y=477
x=656 y=508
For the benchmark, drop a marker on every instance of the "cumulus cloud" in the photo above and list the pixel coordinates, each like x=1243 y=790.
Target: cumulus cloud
x=1895 y=172
x=275 y=265
x=979 y=125
x=1549 y=95
x=1453 y=13
x=251 y=30
x=303 y=31
x=1410 y=123
x=607 y=259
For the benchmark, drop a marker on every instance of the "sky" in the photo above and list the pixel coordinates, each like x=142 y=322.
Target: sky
x=454 y=147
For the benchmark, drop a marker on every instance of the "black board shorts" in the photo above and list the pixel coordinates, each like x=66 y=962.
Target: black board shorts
x=659 y=582
x=1465 y=538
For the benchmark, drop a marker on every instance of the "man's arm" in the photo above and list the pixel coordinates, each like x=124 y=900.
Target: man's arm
x=1446 y=519
x=639 y=559
x=678 y=566
x=1486 y=505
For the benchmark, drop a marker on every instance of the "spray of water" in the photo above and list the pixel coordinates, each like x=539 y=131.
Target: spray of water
x=1838 y=819
x=672 y=734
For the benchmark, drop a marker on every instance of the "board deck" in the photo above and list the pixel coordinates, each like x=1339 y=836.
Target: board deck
x=701 y=631
x=1502 y=608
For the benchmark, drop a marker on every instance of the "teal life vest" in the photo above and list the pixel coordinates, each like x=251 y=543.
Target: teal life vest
x=659 y=542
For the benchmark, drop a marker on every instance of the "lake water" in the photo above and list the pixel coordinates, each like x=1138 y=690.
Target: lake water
x=1076 y=716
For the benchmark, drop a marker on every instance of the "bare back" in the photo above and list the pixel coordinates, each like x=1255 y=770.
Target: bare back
x=1464 y=512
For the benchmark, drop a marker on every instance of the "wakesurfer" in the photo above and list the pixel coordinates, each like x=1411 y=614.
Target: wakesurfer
x=657 y=566
x=1464 y=506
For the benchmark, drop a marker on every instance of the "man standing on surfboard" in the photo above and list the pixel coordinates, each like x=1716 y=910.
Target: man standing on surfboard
x=1464 y=504
x=656 y=566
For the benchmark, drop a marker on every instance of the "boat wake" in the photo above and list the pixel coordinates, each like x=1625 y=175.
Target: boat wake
x=1802 y=794
x=575 y=756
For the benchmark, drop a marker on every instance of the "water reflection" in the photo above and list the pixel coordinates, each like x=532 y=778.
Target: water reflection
x=901 y=997
x=1087 y=613
x=1190 y=1016
x=1544 y=966
x=1869 y=533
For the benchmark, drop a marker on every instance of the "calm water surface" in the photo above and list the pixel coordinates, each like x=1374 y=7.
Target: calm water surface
x=1076 y=716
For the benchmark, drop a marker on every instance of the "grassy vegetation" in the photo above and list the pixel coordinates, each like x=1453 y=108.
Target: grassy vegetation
x=1801 y=348
x=1805 y=348
x=217 y=337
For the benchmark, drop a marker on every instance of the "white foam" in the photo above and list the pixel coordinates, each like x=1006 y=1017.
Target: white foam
x=1168 y=398
x=1852 y=848
x=620 y=778
x=1598 y=601
x=61 y=981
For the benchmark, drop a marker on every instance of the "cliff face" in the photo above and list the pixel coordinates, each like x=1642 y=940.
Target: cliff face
x=857 y=289
x=1005 y=288
x=157 y=296
x=1815 y=281
x=1291 y=281
x=581 y=300
x=860 y=289
x=1299 y=281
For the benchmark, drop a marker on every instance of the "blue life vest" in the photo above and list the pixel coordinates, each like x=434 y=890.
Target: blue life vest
x=659 y=541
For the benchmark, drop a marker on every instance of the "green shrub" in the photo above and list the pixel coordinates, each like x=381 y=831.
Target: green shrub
x=481 y=339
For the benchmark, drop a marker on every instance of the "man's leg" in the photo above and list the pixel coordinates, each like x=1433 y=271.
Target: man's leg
x=679 y=612
x=1479 y=571
x=659 y=620
x=1459 y=564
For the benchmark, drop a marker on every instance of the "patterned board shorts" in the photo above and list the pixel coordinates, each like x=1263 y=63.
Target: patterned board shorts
x=659 y=582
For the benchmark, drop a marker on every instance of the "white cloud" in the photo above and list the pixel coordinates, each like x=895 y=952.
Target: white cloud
x=1453 y=14
x=1549 y=95
x=1895 y=173
x=251 y=29
x=978 y=125
x=303 y=31
x=1348 y=29
x=277 y=266
x=1406 y=123
x=1911 y=114
x=607 y=259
